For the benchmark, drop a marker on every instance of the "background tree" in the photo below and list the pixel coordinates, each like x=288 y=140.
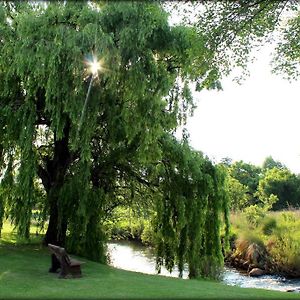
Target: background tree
x=238 y=194
x=226 y=161
x=281 y=183
x=234 y=28
x=270 y=163
x=248 y=175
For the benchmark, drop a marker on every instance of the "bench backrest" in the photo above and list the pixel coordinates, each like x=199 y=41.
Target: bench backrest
x=61 y=254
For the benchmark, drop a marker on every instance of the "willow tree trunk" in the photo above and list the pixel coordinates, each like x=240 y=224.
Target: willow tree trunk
x=56 y=170
x=57 y=228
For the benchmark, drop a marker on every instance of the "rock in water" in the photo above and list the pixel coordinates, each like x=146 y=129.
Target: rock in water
x=257 y=272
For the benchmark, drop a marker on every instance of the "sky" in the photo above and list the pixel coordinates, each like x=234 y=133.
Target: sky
x=259 y=118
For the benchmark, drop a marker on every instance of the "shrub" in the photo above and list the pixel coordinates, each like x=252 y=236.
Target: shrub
x=285 y=251
x=254 y=214
x=247 y=239
x=148 y=236
x=251 y=249
x=268 y=226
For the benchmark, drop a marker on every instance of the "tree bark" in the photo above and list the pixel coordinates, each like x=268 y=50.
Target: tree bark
x=57 y=228
x=56 y=170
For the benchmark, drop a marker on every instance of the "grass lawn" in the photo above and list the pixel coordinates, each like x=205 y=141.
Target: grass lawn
x=24 y=275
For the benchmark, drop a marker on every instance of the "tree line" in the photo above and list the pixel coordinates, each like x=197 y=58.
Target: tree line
x=271 y=184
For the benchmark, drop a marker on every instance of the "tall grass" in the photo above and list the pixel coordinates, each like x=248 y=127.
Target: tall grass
x=278 y=233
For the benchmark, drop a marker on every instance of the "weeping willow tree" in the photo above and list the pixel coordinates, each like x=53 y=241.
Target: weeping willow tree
x=73 y=139
x=191 y=211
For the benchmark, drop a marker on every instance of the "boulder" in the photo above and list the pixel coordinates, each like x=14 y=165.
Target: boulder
x=257 y=272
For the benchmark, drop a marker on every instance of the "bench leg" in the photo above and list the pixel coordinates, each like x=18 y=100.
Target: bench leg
x=62 y=274
x=75 y=271
x=55 y=264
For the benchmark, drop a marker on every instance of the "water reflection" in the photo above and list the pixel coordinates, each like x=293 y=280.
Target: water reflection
x=132 y=256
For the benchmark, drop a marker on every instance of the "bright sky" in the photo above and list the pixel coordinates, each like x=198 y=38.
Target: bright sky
x=251 y=121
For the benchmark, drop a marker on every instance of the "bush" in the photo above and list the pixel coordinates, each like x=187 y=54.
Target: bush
x=285 y=251
x=251 y=250
x=148 y=236
x=254 y=214
x=125 y=230
x=269 y=224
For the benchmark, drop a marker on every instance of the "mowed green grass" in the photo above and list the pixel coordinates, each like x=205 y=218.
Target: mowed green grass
x=24 y=275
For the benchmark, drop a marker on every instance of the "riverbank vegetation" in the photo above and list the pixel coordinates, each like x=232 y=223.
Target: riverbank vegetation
x=270 y=240
x=265 y=229
x=271 y=243
x=265 y=223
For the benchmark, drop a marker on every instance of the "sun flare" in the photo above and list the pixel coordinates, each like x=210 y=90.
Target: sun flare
x=93 y=66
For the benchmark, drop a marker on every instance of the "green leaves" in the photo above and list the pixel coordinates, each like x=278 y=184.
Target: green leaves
x=286 y=59
x=231 y=30
x=189 y=213
x=124 y=144
x=278 y=189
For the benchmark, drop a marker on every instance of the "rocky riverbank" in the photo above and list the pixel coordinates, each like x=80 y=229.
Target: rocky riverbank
x=255 y=259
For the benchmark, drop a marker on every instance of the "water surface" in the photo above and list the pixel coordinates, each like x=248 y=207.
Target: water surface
x=133 y=256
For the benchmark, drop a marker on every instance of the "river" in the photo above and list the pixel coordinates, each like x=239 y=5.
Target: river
x=133 y=256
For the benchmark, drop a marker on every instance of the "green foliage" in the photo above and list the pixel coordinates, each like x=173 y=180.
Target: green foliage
x=189 y=211
x=253 y=188
x=129 y=224
x=123 y=151
x=237 y=28
x=245 y=173
x=269 y=225
x=284 y=244
x=255 y=214
x=270 y=163
x=148 y=236
x=125 y=224
x=238 y=194
x=277 y=233
x=281 y=183
x=248 y=175
x=288 y=63
x=10 y=236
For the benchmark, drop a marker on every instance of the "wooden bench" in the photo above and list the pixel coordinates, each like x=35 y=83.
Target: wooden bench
x=61 y=260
